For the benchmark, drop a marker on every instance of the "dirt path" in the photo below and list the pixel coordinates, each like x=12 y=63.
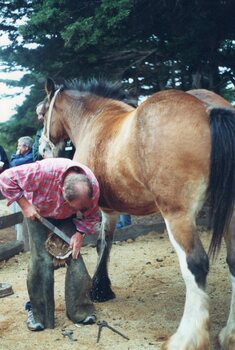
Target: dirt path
x=149 y=304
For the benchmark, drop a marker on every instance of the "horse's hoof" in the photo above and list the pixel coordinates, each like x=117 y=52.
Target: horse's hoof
x=179 y=343
x=100 y=296
x=101 y=290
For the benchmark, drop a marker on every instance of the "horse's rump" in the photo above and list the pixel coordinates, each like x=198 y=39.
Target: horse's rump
x=210 y=98
x=173 y=148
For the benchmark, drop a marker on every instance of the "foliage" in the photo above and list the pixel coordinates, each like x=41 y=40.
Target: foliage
x=149 y=45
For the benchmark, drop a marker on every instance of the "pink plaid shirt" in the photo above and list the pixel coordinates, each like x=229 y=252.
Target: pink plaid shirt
x=41 y=183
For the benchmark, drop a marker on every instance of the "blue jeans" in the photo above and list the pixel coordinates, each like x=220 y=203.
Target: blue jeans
x=124 y=220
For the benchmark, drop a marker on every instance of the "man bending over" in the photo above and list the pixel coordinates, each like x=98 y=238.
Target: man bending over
x=57 y=189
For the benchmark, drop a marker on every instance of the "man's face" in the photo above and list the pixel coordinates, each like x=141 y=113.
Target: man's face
x=82 y=202
x=22 y=149
x=78 y=204
x=39 y=112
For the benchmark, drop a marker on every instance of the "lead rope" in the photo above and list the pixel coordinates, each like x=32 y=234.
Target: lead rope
x=46 y=136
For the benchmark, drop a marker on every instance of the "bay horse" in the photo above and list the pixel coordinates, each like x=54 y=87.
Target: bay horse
x=169 y=155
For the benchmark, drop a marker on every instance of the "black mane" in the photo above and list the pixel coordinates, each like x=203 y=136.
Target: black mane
x=97 y=87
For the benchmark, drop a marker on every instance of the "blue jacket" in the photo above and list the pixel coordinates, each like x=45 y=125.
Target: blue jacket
x=18 y=159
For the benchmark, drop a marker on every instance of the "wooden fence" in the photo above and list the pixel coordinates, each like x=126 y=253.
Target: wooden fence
x=9 y=249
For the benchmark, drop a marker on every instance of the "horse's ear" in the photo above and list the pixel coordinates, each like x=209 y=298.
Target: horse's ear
x=50 y=87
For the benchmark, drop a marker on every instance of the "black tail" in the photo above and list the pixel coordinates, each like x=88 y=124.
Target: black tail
x=222 y=173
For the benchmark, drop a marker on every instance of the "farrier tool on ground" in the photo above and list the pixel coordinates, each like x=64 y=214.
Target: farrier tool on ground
x=103 y=324
x=68 y=333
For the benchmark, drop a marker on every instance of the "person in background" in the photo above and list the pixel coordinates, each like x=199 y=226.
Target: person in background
x=24 y=154
x=40 y=111
x=124 y=220
x=4 y=162
x=68 y=150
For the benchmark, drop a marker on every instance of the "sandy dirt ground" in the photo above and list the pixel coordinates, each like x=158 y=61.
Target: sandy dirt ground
x=148 y=306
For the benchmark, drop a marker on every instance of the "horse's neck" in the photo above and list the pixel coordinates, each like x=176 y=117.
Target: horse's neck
x=88 y=118
x=79 y=123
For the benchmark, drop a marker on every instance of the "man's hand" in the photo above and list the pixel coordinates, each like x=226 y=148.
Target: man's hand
x=76 y=244
x=28 y=209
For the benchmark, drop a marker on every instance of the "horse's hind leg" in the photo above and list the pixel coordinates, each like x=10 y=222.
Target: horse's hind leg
x=193 y=331
x=227 y=335
x=101 y=285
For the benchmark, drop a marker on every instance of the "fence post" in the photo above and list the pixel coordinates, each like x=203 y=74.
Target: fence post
x=18 y=221
x=21 y=229
x=22 y=234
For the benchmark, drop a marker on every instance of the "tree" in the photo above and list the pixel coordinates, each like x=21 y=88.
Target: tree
x=149 y=45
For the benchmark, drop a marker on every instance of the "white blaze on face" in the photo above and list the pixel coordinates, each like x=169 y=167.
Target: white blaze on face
x=45 y=150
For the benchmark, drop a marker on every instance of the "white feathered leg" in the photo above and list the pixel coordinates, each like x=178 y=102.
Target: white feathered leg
x=193 y=331
x=227 y=335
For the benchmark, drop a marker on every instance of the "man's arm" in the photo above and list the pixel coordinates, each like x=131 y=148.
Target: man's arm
x=17 y=181
x=29 y=210
x=76 y=244
x=18 y=159
x=85 y=225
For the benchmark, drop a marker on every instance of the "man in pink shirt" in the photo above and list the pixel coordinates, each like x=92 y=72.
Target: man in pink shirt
x=57 y=189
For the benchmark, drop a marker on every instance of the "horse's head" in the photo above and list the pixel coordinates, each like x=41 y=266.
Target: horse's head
x=53 y=135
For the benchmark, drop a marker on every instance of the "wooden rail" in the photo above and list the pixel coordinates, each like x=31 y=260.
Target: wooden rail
x=9 y=249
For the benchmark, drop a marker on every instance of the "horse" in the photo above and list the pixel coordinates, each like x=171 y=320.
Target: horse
x=169 y=155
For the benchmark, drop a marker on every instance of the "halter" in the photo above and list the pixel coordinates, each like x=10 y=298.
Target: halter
x=46 y=136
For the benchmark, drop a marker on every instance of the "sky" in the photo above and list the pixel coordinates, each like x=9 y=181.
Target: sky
x=8 y=104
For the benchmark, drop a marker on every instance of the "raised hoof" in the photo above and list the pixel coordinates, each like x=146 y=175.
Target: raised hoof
x=99 y=295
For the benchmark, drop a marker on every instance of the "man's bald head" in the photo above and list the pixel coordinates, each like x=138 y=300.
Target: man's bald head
x=77 y=186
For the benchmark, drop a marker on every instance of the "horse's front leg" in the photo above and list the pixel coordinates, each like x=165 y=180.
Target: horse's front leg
x=101 y=285
x=193 y=330
x=227 y=335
